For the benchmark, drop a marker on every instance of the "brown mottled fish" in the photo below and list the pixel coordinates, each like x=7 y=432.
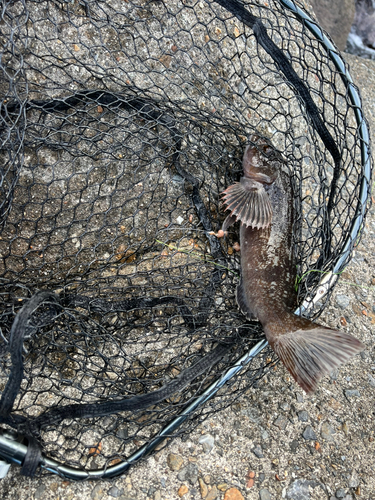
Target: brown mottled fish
x=262 y=202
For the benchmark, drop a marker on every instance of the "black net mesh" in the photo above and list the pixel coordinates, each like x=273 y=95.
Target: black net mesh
x=121 y=124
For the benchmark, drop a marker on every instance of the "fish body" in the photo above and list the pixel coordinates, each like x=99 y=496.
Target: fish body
x=263 y=203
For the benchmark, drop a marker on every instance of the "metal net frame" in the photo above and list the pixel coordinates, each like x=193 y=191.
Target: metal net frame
x=121 y=123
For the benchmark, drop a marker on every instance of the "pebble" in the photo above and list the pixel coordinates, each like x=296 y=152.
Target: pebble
x=349 y=393
x=371 y=380
x=353 y=481
x=115 y=492
x=327 y=431
x=303 y=416
x=294 y=445
x=233 y=494
x=340 y=493
x=157 y=495
x=189 y=473
x=203 y=488
x=299 y=398
x=262 y=477
x=207 y=441
x=299 y=489
x=258 y=452
x=212 y=494
x=97 y=493
x=182 y=490
x=39 y=491
x=309 y=434
x=342 y=301
x=264 y=494
x=281 y=422
x=174 y=461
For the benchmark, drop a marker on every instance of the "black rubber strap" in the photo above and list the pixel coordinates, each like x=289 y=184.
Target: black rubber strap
x=32 y=458
x=17 y=335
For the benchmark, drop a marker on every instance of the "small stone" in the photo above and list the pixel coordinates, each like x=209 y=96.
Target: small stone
x=309 y=434
x=39 y=491
x=264 y=494
x=179 y=220
x=233 y=494
x=182 y=490
x=258 y=452
x=189 y=473
x=294 y=445
x=115 y=492
x=174 y=461
x=353 y=481
x=327 y=431
x=203 y=488
x=281 y=422
x=157 y=495
x=222 y=486
x=262 y=477
x=285 y=406
x=342 y=301
x=350 y=393
x=303 y=416
x=299 y=398
x=340 y=493
x=299 y=489
x=207 y=441
x=98 y=492
x=345 y=428
x=371 y=380
x=212 y=494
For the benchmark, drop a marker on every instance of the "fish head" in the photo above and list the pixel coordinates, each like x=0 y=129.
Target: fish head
x=259 y=161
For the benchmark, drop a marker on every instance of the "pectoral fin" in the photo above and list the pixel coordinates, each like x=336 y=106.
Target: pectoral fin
x=249 y=203
x=242 y=302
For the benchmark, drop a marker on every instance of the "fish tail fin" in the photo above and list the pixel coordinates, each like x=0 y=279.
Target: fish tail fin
x=311 y=350
x=249 y=203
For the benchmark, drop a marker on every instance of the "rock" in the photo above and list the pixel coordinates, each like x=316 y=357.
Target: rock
x=303 y=416
x=371 y=380
x=280 y=422
x=212 y=494
x=309 y=434
x=336 y=17
x=258 y=452
x=189 y=473
x=299 y=398
x=157 y=495
x=294 y=445
x=261 y=477
x=327 y=431
x=342 y=301
x=115 y=492
x=39 y=491
x=264 y=494
x=350 y=393
x=285 y=406
x=340 y=493
x=233 y=494
x=299 y=489
x=97 y=493
x=182 y=490
x=203 y=488
x=174 y=461
x=353 y=481
x=207 y=441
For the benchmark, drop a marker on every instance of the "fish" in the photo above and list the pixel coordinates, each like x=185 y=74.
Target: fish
x=262 y=201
